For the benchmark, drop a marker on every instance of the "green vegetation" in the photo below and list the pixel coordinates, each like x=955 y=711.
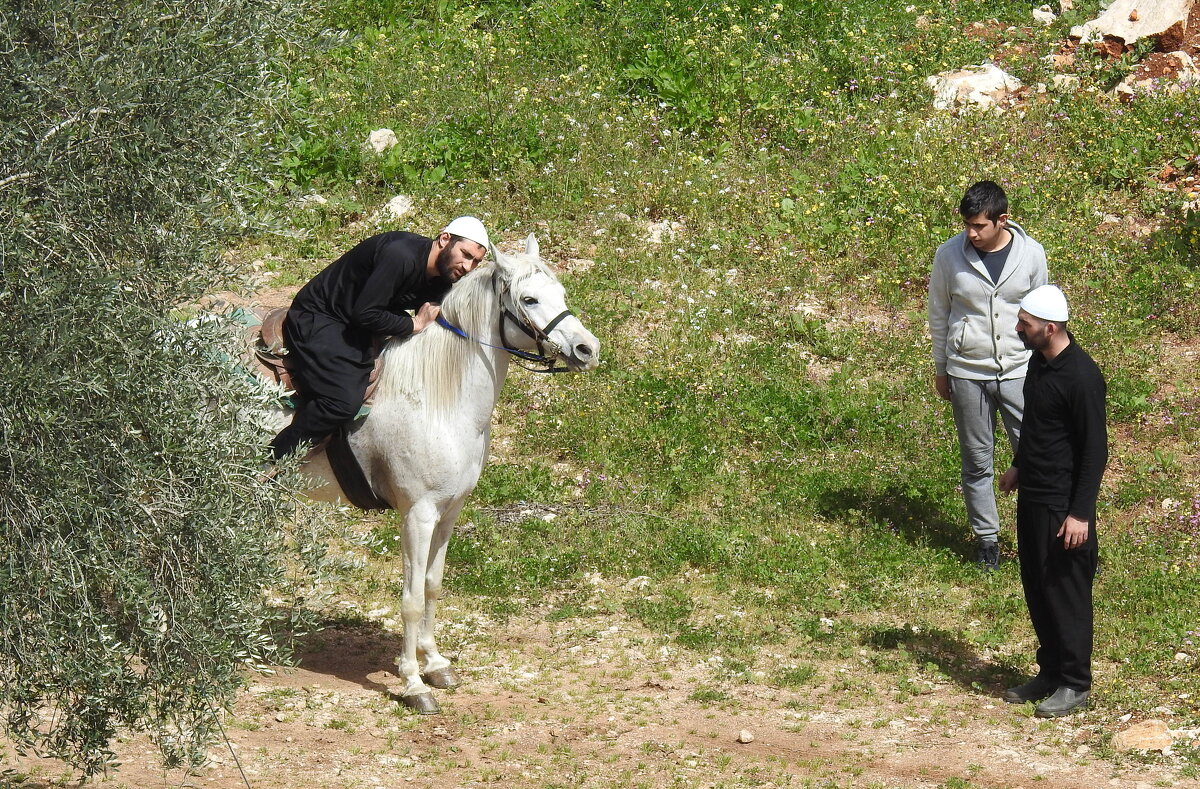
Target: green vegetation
x=761 y=441
x=135 y=545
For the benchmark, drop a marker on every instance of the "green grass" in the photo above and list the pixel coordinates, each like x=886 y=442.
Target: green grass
x=761 y=440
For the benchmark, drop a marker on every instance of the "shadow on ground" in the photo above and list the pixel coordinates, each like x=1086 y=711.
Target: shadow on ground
x=954 y=656
x=918 y=520
x=351 y=650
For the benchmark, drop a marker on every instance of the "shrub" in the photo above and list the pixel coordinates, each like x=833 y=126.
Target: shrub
x=135 y=542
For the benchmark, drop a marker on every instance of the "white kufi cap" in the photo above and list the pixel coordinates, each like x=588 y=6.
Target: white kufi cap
x=1047 y=303
x=470 y=228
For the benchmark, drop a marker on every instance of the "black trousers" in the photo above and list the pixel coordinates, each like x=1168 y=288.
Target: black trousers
x=1058 y=593
x=332 y=367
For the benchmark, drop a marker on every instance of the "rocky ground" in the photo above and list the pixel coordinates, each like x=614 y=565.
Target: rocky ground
x=596 y=702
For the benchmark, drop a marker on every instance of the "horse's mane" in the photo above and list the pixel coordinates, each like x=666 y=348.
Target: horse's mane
x=429 y=366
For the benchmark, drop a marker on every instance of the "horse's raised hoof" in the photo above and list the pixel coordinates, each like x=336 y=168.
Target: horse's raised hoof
x=423 y=703
x=442 y=678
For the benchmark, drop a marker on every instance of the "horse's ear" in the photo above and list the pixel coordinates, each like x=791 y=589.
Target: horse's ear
x=531 y=246
x=499 y=257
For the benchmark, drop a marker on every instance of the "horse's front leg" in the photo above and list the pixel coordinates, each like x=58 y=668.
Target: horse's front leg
x=420 y=524
x=437 y=669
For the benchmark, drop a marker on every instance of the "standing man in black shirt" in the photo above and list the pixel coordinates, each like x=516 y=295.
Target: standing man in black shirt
x=1058 y=467
x=335 y=318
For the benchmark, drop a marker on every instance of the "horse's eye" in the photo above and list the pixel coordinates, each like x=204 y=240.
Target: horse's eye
x=528 y=301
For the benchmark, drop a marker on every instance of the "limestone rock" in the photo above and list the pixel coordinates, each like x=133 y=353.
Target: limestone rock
x=1065 y=83
x=744 y=737
x=656 y=232
x=983 y=86
x=1126 y=21
x=1044 y=15
x=1149 y=735
x=579 y=265
x=313 y=200
x=398 y=206
x=380 y=140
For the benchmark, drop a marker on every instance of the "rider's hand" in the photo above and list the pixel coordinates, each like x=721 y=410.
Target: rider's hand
x=425 y=316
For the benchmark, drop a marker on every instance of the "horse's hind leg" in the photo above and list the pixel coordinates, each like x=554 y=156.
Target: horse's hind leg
x=437 y=669
x=420 y=522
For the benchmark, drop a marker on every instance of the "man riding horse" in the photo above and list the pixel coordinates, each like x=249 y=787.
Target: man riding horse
x=334 y=320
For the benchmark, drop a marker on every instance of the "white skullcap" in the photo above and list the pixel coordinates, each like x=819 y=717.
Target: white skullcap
x=470 y=228
x=1047 y=303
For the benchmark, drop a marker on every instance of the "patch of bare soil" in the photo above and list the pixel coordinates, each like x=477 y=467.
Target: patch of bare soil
x=596 y=702
x=265 y=299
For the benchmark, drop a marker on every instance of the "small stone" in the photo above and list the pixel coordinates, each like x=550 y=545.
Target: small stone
x=311 y=201
x=657 y=232
x=1149 y=735
x=398 y=206
x=745 y=736
x=380 y=140
x=1065 y=83
x=1044 y=15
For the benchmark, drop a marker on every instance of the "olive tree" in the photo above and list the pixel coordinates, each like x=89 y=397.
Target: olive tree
x=136 y=544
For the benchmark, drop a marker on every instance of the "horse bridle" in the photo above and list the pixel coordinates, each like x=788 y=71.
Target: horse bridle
x=539 y=336
x=548 y=349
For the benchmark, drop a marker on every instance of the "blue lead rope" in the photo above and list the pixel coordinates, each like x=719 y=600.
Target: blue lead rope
x=526 y=355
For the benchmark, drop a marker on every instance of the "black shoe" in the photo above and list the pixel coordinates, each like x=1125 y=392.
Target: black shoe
x=1035 y=689
x=1063 y=702
x=988 y=556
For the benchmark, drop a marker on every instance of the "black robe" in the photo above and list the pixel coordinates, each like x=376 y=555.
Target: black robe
x=333 y=322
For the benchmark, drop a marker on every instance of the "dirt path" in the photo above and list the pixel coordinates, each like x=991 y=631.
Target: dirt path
x=597 y=703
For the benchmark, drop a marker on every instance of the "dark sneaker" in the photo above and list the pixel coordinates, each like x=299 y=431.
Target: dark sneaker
x=1063 y=702
x=988 y=556
x=1035 y=689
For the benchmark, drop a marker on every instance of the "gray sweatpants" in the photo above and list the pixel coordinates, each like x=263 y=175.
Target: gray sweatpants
x=975 y=406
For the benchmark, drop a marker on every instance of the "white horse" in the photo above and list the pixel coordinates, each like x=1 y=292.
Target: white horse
x=425 y=441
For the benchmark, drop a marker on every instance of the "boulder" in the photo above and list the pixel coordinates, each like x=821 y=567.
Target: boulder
x=983 y=86
x=1127 y=21
x=1149 y=735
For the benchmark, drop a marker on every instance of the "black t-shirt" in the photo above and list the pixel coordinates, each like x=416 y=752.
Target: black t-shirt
x=369 y=288
x=994 y=261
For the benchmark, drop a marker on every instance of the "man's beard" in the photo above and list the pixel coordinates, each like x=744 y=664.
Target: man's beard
x=443 y=261
x=1036 y=344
